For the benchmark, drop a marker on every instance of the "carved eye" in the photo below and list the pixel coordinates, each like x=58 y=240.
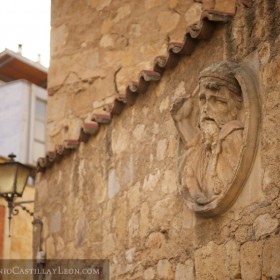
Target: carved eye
x=220 y=102
x=202 y=98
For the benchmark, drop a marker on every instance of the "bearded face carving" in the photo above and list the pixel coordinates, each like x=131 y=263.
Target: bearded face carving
x=213 y=123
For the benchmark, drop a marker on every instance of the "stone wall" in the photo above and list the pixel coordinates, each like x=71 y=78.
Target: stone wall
x=116 y=195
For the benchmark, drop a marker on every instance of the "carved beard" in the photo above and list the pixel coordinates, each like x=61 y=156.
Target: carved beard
x=210 y=132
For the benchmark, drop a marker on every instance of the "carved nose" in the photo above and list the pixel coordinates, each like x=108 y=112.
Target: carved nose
x=205 y=107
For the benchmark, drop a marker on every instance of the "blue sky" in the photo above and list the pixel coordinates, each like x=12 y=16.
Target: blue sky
x=26 y=22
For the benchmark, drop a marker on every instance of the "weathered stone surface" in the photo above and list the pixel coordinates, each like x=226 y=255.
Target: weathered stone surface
x=129 y=255
x=210 y=262
x=109 y=244
x=233 y=259
x=113 y=184
x=122 y=12
x=120 y=140
x=121 y=226
x=133 y=228
x=155 y=240
x=80 y=231
x=164 y=270
x=193 y=14
x=243 y=233
x=139 y=131
x=225 y=6
x=50 y=247
x=55 y=222
x=185 y=271
x=151 y=180
x=167 y=21
x=106 y=41
x=152 y=3
x=134 y=196
x=271 y=258
x=251 y=260
x=145 y=223
x=149 y=274
x=161 y=149
x=264 y=224
x=180 y=90
x=161 y=214
x=169 y=184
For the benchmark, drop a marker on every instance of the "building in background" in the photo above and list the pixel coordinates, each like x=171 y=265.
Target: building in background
x=23 y=105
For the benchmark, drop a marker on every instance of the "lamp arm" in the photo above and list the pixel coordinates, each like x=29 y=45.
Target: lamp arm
x=14 y=212
x=22 y=202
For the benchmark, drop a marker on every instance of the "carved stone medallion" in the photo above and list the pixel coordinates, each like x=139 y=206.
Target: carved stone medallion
x=218 y=127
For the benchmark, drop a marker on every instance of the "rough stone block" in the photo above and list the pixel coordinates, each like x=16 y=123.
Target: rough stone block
x=161 y=212
x=55 y=222
x=133 y=228
x=121 y=227
x=151 y=180
x=164 y=270
x=152 y=3
x=193 y=14
x=264 y=224
x=144 y=220
x=109 y=244
x=129 y=255
x=50 y=247
x=161 y=149
x=233 y=259
x=113 y=184
x=251 y=260
x=271 y=258
x=210 y=262
x=167 y=21
x=169 y=184
x=138 y=131
x=122 y=12
x=134 y=196
x=225 y=6
x=185 y=271
x=149 y=274
x=155 y=240
x=120 y=140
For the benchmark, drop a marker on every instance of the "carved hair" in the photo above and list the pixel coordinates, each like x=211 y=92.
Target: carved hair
x=221 y=74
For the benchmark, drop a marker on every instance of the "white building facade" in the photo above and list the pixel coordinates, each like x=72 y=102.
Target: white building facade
x=22 y=120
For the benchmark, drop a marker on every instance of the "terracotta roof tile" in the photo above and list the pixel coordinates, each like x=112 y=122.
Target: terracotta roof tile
x=101 y=118
x=50 y=157
x=83 y=137
x=90 y=128
x=59 y=149
x=71 y=144
x=131 y=92
x=203 y=30
x=116 y=107
x=41 y=164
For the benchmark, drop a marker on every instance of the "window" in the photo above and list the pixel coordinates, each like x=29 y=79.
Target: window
x=38 y=124
x=39 y=129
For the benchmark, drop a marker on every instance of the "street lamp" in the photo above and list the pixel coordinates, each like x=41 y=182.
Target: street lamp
x=13 y=179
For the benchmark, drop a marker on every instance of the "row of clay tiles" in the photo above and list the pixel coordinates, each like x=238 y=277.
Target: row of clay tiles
x=200 y=31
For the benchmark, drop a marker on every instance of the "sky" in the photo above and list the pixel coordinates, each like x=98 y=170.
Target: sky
x=26 y=22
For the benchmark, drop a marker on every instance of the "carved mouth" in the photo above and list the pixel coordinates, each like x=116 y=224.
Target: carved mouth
x=208 y=119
